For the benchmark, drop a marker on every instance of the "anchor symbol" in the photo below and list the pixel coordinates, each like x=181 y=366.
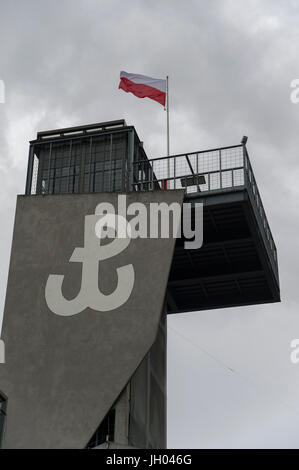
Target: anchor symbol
x=90 y=255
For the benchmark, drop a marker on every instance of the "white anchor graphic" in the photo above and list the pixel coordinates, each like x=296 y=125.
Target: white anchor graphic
x=90 y=256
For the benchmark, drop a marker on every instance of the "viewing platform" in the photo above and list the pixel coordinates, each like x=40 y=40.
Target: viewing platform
x=237 y=264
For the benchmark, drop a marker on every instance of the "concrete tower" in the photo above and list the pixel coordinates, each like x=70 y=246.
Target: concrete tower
x=85 y=331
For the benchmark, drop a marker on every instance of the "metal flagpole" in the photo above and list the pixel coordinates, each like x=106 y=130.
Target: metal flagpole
x=167 y=111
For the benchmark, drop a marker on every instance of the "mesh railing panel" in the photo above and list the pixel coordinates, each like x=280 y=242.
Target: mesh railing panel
x=220 y=169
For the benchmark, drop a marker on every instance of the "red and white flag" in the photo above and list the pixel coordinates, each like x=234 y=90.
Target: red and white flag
x=143 y=87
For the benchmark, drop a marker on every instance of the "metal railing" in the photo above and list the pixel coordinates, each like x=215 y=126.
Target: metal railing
x=219 y=169
x=206 y=172
x=258 y=207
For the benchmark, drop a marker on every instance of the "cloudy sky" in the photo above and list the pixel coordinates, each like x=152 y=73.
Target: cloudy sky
x=230 y=65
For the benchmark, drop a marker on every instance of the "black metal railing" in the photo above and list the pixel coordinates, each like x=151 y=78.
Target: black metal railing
x=210 y=170
x=206 y=172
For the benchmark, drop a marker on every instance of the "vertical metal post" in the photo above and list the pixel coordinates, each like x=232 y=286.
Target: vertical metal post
x=69 y=168
x=167 y=112
x=198 y=187
x=220 y=169
x=245 y=167
x=152 y=176
x=129 y=176
x=82 y=165
x=49 y=167
x=29 y=170
x=90 y=157
x=174 y=172
x=110 y=163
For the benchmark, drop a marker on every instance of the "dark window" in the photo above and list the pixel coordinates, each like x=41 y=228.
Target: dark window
x=105 y=432
x=61 y=168
x=3 y=403
x=91 y=164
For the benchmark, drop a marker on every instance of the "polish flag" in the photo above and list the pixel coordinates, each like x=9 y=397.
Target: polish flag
x=143 y=87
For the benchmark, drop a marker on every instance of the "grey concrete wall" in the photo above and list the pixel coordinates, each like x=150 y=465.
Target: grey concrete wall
x=62 y=374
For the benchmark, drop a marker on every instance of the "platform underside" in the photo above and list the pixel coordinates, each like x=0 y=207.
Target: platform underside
x=232 y=268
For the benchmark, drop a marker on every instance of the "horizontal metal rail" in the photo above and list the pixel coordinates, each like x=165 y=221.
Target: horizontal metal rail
x=69 y=131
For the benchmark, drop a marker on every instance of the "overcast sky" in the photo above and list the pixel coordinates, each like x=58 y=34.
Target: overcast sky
x=230 y=65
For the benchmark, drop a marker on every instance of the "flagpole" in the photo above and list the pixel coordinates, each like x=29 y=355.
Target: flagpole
x=167 y=111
